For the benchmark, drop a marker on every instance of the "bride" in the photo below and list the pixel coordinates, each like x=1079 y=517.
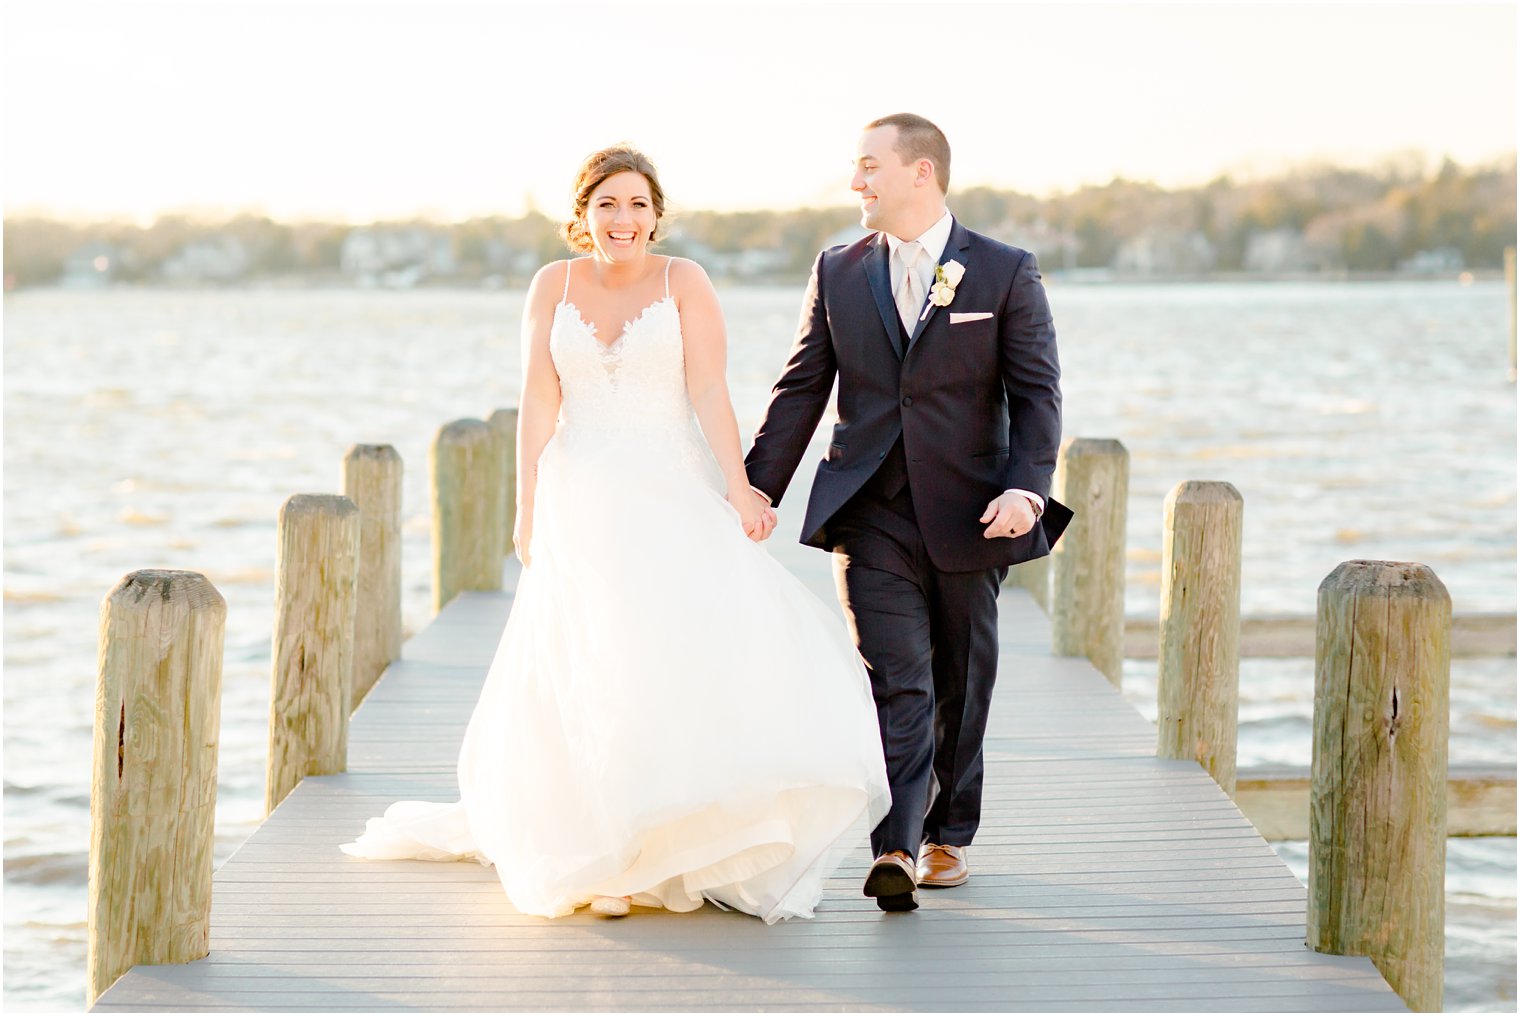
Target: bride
x=670 y=716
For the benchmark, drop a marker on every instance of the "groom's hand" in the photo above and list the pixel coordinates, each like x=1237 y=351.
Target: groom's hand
x=1010 y=514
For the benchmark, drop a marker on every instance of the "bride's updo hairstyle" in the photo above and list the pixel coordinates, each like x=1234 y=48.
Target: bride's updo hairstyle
x=598 y=167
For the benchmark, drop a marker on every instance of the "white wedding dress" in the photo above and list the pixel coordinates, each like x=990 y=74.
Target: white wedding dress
x=670 y=714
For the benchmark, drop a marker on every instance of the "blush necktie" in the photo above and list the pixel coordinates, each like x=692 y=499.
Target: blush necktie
x=910 y=294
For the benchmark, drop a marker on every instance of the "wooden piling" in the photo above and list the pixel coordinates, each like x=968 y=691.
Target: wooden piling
x=467 y=518
x=153 y=789
x=1377 y=808
x=504 y=425
x=1198 y=682
x=316 y=583
x=372 y=480
x=1087 y=579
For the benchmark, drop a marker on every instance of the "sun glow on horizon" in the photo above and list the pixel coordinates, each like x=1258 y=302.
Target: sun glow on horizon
x=350 y=112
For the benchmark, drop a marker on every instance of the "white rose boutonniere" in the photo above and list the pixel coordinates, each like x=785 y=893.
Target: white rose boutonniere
x=946 y=277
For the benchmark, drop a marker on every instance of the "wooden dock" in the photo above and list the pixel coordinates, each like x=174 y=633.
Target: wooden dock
x=1104 y=879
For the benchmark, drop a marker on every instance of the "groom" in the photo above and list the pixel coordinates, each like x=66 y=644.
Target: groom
x=936 y=479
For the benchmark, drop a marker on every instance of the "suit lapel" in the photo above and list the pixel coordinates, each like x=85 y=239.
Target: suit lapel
x=879 y=274
x=955 y=250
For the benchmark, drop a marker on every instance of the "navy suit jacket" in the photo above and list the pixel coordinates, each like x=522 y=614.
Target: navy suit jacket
x=977 y=402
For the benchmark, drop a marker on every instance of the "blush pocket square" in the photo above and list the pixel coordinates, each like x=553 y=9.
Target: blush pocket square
x=956 y=319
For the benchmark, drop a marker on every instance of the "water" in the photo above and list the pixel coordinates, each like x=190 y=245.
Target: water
x=152 y=428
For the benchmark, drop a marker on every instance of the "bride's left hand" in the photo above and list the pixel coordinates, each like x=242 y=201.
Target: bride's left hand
x=757 y=517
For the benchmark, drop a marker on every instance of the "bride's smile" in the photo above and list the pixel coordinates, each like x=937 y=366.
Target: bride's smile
x=621 y=217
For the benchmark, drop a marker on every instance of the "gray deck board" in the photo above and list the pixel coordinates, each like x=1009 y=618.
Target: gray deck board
x=1105 y=879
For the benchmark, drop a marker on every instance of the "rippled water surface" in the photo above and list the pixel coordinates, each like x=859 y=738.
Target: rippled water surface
x=152 y=428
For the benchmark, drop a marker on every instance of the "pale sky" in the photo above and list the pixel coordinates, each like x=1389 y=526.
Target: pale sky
x=356 y=110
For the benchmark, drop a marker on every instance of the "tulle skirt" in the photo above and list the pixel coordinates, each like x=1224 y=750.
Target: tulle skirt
x=670 y=714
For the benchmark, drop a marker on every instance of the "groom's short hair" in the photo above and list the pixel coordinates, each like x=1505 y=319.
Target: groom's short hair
x=918 y=138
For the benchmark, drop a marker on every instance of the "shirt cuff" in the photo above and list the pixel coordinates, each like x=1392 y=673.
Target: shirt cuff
x=1034 y=499
x=762 y=493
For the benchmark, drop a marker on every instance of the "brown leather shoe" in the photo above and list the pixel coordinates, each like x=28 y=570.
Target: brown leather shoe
x=941 y=866
x=892 y=883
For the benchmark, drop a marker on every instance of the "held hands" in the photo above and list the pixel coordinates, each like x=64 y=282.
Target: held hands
x=1010 y=514
x=757 y=517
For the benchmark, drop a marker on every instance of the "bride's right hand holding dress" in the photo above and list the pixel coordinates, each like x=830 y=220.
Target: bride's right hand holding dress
x=522 y=535
x=540 y=398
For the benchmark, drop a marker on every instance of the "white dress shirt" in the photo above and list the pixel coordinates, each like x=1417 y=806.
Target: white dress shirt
x=933 y=241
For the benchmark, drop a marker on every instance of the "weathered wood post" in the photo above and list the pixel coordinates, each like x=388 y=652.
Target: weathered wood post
x=1377 y=804
x=504 y=424
x=1087 y=580
x=153 y=790
x=1198 y=683
x=467 y=517
x=1035 y=577
x=372 y=480
x=316 y=582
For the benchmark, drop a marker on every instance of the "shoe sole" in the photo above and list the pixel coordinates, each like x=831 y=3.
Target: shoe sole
x=925 y=883
x=892 y=887
x=899 y=903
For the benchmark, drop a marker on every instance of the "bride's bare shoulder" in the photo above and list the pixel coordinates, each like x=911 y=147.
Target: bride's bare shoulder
x=688 y=277
x=549 y=282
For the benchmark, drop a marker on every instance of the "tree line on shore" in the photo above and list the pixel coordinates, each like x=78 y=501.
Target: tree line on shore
x=1400 y=216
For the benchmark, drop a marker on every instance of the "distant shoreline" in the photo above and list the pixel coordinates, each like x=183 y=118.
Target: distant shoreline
x=1056 y=277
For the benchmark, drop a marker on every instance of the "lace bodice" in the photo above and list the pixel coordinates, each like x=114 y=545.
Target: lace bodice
x=631 y=387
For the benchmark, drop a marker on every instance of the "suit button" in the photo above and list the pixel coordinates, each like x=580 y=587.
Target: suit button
x=882 y=455
x=907 y=400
